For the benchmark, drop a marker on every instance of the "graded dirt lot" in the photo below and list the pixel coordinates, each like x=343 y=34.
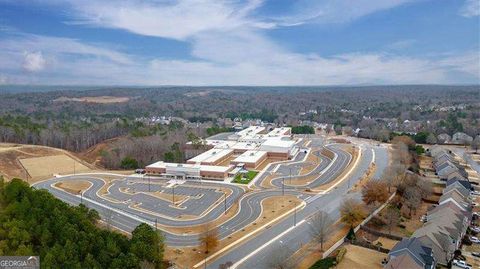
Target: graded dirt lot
x=359 y=257
x=48 y=165
x=94 y=99
x=13 y=157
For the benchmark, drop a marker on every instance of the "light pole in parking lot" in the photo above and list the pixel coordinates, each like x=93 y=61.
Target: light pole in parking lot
x=283 y=186
x=148 y=183
x=173 y=194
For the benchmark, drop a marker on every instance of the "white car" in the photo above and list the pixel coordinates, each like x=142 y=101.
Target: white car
x=474 y=239
x=476 y=193
x=462 y=264
x=475 y=229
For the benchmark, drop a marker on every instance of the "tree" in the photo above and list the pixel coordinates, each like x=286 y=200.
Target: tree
x=209 y=238
x=413 y=198
x=375 y=191
x=147 y=244
x=129 y=163
x=392 y=217
x=351 y=212
x=279 y=258
x=320 y=226
x=476 y=144
x=431 y=139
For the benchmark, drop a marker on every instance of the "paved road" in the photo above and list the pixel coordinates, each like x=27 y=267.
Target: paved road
x=121 y=215
x=293 y=240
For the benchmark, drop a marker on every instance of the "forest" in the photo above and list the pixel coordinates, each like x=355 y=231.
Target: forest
x=33 y=222
x=64 y=118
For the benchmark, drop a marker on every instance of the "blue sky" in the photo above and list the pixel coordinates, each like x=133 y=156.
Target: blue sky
x=239 y=42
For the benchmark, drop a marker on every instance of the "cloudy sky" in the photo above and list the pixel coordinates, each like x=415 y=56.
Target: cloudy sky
x=239 y=42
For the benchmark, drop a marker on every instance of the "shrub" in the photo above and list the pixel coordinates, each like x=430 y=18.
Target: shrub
x=340 y=255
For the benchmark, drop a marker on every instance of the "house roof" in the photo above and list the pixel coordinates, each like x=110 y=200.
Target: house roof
x=465 y=183
x=410 y=253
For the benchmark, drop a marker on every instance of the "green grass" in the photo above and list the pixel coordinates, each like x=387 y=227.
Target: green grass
x=245 y=178
x=324 y=263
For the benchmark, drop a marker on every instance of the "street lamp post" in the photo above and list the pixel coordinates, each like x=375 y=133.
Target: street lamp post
x=225 y=202
x=295 y=214
x=148 y=183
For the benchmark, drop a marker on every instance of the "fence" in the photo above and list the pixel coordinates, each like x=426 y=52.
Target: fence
x=377 y=233
x=368 y=245
x=374 y=213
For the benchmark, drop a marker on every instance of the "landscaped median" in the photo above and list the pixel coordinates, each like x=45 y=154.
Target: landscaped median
x=245 y=178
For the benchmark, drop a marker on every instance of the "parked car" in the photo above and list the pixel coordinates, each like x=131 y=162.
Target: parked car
x=476 y=254
x=474 y=239
x=140 y=171
x=423 y=218
x=476 y=193
x=462 y=264
x=475 y=229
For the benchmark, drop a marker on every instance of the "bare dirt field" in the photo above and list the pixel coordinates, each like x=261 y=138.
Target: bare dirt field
x=359 y=257
x=48 y=165
x=13 y=156
x=94 y=99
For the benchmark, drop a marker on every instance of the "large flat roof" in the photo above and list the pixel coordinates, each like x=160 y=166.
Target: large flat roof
x=250 y=156
x=279 y=131
x=252 y=130
x=211 y=168
x=211 y=155
x=278 y=143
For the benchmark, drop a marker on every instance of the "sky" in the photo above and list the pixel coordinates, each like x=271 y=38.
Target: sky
x=239 y=42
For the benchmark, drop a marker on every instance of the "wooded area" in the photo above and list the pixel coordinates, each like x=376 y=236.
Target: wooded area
x=33 y=222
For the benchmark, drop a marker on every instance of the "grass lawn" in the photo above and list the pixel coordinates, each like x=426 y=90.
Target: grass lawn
x=245 y=178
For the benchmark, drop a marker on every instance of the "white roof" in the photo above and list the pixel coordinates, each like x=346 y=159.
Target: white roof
x=252 y=130
x=279 y=131
x=245 y=145
x=250 y=156
x=278 y=143
x=212 y=168
x=211 y=155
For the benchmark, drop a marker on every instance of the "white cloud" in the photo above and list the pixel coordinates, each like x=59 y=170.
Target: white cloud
x=3 y=79
x=179 y=19
x=401 y=44
x=34 y=61
x=470 y=8
x=334 y=11
x=229 y=47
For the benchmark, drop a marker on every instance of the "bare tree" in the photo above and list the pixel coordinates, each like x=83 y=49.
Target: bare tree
x=413 y=198
x=279 y=258
x=392 y=217
x=352 y=212
x=209 y=238
x=320 y=227
x=375 y=191
x=476 y=144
